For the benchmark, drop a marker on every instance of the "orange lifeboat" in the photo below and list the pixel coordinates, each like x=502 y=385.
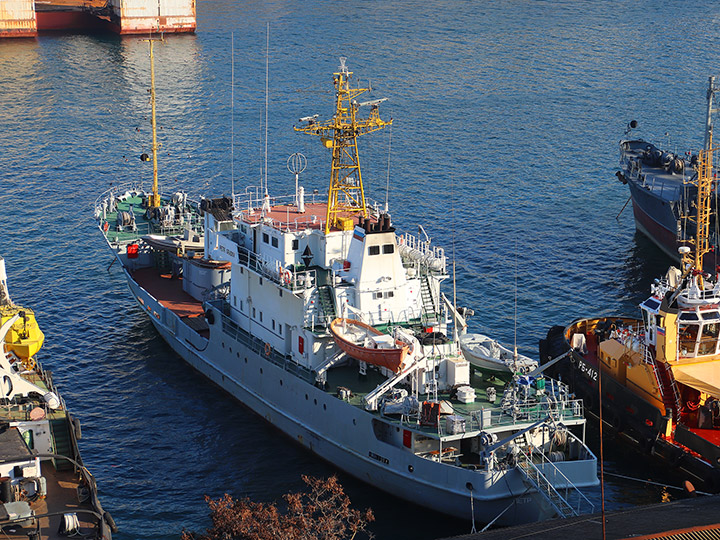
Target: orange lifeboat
x=363 y=342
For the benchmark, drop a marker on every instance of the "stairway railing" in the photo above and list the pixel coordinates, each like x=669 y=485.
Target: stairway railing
x=545 y=487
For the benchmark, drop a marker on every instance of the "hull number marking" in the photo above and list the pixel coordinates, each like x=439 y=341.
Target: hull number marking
x=589 y=371
x=381 y=459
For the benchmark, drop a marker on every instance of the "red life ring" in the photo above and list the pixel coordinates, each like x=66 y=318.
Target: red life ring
x=105 y=226
x=267 y=349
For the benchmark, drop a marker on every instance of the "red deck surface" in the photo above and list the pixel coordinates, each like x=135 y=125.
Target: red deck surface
x=286 y=217
x=169 y=292
x=712 y=435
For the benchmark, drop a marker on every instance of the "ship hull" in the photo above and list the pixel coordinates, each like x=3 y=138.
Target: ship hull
x=655 y=219
x=341 y=433
x=69 y=20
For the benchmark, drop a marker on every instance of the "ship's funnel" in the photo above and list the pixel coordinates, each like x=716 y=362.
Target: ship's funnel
x=301 y=200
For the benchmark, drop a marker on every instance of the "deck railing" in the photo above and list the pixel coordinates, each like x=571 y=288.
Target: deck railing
x=550 y=481
x=233 y=330
x=518 y=415
x=189 y=218
x=270 y=269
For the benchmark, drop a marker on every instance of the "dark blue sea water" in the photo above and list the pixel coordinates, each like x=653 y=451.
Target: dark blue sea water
x=504 y=144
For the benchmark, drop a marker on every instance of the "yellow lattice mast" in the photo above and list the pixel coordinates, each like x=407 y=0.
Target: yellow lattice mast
x=704 y=186
x=346 y=192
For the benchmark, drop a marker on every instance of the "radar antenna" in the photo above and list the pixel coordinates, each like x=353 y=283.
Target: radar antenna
x=346 y=194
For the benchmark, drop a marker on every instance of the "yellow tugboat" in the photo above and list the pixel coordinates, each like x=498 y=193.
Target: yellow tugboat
x=24 y=339
x=659 y=375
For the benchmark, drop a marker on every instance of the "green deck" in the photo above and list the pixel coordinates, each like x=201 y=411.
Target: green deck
x=144 y=226
x=348 y=376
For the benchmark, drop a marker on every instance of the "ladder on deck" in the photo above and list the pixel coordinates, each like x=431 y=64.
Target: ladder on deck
x=545 y=487
x=666 y=383
x=327 y=302
x=429 y=306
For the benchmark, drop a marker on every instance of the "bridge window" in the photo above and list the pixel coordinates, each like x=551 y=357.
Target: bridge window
x=388 y=248
x=709 y=339
x=295 y=244
x=274 y=242
x=374 y=250
x=688 y=338
x=266 y=238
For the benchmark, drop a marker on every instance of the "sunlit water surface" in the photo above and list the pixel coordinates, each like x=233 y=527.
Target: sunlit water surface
x=504 y=144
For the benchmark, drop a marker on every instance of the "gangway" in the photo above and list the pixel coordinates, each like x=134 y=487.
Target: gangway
x=536 y=478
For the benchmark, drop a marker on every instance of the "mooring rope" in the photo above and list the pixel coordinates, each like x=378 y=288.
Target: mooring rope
x=472 y=512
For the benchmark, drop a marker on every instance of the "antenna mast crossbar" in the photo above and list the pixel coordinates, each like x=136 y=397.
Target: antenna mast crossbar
x=346 y=193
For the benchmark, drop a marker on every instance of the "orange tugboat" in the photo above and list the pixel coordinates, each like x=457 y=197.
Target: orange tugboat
x=660 y=374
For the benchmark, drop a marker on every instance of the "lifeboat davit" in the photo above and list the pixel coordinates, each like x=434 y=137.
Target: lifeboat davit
x=363 y=342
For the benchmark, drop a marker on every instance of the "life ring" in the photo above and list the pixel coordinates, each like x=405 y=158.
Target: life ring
x=267 y=349
x=285 y=277
x=106 y=227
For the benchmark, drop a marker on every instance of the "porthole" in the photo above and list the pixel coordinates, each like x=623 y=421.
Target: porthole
x=354 y=422
x=315 y=401
x=306 y=397
x=280 y=382
x=230 y=349
x=238 y=355
x=324 y=407
x=246 y=360
x=223 y=344
x=260 y=371
x=411 y=468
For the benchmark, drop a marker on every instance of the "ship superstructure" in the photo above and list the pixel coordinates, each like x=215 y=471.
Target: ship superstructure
x=317 y=314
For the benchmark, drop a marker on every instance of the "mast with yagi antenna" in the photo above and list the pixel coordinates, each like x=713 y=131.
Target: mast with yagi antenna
x=346 y=192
